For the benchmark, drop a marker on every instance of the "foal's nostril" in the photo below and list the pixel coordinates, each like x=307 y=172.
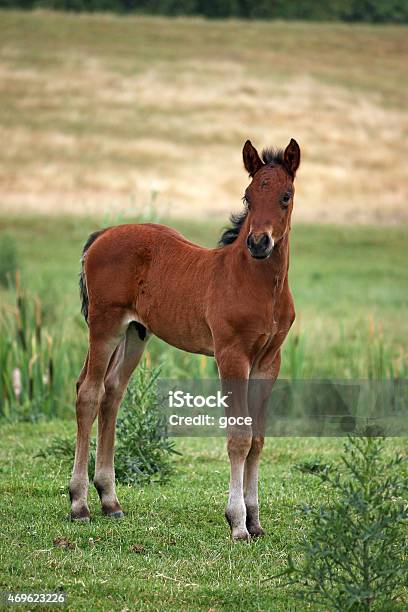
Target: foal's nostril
x=260 y=241
x=264 y=241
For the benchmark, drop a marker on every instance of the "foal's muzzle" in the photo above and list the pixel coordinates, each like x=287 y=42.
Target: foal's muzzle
x=260 y=245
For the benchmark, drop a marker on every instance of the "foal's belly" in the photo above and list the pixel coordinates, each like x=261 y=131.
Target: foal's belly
x=201 y=346
x=185 y=330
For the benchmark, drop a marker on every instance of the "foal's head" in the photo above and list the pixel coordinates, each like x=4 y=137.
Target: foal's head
x=269 y=196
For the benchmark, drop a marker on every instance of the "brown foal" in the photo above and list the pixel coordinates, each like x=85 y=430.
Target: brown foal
x=232 y=302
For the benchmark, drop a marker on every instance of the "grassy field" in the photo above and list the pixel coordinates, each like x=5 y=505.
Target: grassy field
x=172 y=551
x=99 y=112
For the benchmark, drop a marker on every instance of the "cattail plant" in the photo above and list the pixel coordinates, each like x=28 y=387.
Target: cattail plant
x=36 y=369
x=8 y=259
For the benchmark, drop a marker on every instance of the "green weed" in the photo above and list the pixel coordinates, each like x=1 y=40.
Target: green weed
x=143 y=450
x=355 y=553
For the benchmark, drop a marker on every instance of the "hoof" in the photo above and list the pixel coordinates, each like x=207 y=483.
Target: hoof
x=240 y=535
x=113 y=510
x=256 y=532
x=117 y=514
x=83 y=516
x=79 y=507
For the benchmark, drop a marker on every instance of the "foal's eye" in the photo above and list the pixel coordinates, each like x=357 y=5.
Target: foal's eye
x=285 y=199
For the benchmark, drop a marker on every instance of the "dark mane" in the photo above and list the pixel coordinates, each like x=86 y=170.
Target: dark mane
x=230 y=234
x=272 y=156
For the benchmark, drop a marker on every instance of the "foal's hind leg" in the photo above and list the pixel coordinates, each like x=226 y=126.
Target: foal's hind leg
x=125 y=360
x=82 y=375
x=103 y=339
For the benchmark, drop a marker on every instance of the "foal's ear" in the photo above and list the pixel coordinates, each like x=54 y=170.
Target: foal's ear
x=252 y=161
x=291 y=157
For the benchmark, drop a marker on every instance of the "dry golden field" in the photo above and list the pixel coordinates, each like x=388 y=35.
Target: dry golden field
x=103 y=113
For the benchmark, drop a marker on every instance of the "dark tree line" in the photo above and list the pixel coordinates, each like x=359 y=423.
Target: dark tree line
x=376 y=11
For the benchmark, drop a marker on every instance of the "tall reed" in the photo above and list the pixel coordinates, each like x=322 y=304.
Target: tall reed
x=37 y=368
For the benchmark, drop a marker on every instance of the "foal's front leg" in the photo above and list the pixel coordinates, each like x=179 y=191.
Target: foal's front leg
x=234 y=378
x=261 y=382
x=257 y=399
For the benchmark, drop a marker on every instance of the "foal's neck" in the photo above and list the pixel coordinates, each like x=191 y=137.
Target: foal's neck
x=277 y=265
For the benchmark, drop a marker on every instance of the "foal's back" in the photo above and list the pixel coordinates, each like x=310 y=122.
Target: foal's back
x=157 y=277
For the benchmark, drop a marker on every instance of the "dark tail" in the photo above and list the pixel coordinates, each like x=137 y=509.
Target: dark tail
x=83 y=291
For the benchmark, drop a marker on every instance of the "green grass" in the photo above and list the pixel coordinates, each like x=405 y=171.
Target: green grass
x=187 y=561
